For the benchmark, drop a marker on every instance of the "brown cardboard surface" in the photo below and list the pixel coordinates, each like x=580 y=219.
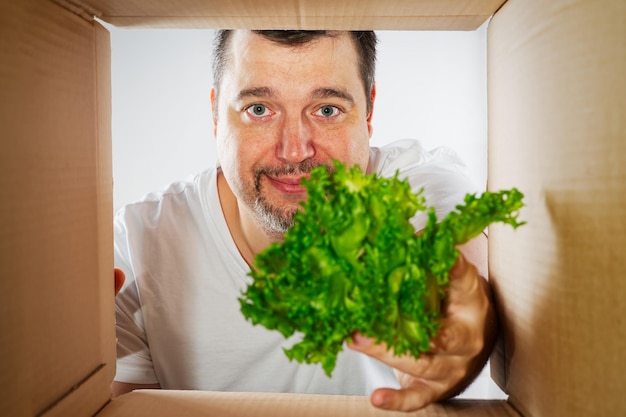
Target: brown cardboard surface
x=84 y=398
x=104 y=196
x=557 y=126
x=298 y=14
x=57 y=336
x=155 y=403
x=57 y=330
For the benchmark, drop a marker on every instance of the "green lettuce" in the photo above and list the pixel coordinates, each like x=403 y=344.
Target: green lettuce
x=352 y=262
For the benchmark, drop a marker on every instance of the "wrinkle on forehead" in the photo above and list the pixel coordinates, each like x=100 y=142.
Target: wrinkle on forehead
x=258 y=63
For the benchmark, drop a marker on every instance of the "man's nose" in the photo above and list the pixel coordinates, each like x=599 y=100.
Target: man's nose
x=296 y=140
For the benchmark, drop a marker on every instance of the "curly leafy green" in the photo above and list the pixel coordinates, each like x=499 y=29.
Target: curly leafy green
x=353 y=262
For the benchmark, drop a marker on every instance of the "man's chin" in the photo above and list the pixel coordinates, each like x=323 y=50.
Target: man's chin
x=275 y=221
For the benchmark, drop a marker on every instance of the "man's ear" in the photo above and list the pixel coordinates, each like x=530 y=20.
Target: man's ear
x=370 y=128
x=214 y=111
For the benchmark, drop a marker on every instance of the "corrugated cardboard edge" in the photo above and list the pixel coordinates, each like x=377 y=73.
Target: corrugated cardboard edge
x=151 y=403
x=460 y=23
x=104 y=163
x=298 y=14
x=85 y=398
x=79 y=8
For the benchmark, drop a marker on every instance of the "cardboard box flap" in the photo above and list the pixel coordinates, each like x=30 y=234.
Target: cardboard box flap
x=557 y=125
x=156 y=403
x=298 y=14
x=56 y=306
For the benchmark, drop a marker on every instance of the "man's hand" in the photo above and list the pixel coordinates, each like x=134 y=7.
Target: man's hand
x=457 y=354
x=119 y=279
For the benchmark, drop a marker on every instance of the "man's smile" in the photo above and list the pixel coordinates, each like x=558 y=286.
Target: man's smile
x=288 y=185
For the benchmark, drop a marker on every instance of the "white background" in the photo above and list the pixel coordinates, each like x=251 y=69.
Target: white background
x=430 y=86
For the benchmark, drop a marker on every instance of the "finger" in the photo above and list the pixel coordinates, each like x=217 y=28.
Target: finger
x=457 y=337
x=463 y=277
x=119 y=278
x=465 y=310
x=428 y=365
x=467 y=297
x=408 y=399
x=380 y=351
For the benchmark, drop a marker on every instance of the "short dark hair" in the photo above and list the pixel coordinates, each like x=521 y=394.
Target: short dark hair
x=364 y=41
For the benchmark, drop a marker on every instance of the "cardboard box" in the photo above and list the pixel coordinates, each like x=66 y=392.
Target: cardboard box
x=557 y=130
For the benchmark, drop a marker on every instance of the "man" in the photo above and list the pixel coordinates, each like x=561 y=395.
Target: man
x=283 y=102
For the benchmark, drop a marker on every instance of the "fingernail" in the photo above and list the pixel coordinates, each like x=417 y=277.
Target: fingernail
x=360 y=341
x=380 y=401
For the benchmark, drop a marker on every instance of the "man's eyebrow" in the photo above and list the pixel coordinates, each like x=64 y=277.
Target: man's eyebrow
x=318 y=93
x=258 y=92
x=332 y=92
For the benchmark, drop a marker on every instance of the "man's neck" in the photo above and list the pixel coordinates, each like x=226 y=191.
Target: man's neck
x=248 y=237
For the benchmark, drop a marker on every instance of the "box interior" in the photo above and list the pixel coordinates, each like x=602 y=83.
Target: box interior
x=557 y=130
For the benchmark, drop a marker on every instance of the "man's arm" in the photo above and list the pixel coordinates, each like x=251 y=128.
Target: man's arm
x=119 y=388
x=461 y=347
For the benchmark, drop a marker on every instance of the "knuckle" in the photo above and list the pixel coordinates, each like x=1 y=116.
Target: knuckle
x=451 y=338
x=411 y=403
x=413 y=399
x=423 y=364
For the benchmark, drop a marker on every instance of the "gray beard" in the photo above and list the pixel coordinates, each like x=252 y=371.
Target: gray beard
x=275 y=221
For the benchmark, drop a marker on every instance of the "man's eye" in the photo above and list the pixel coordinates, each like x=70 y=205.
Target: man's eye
x=328 y=111
x=257 y=110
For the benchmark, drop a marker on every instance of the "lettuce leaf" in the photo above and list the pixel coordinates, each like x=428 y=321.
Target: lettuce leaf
x=353 y=262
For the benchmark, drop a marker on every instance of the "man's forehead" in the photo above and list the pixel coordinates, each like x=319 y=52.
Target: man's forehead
x=249 y=49
x=257 y=67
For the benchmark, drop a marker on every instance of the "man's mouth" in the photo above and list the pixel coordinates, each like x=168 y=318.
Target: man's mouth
x=287 y=185
x=286 y=179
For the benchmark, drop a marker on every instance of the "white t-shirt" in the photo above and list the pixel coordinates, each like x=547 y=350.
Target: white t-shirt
x=178 y=317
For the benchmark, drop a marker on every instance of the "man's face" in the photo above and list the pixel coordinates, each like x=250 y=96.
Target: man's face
x=283 y=111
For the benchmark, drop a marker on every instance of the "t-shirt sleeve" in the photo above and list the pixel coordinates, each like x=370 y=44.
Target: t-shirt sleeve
x=439 y=173
x=134 y=362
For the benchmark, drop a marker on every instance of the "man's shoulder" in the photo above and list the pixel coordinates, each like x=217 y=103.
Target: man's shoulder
x=175 y=198
x=406 y=155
